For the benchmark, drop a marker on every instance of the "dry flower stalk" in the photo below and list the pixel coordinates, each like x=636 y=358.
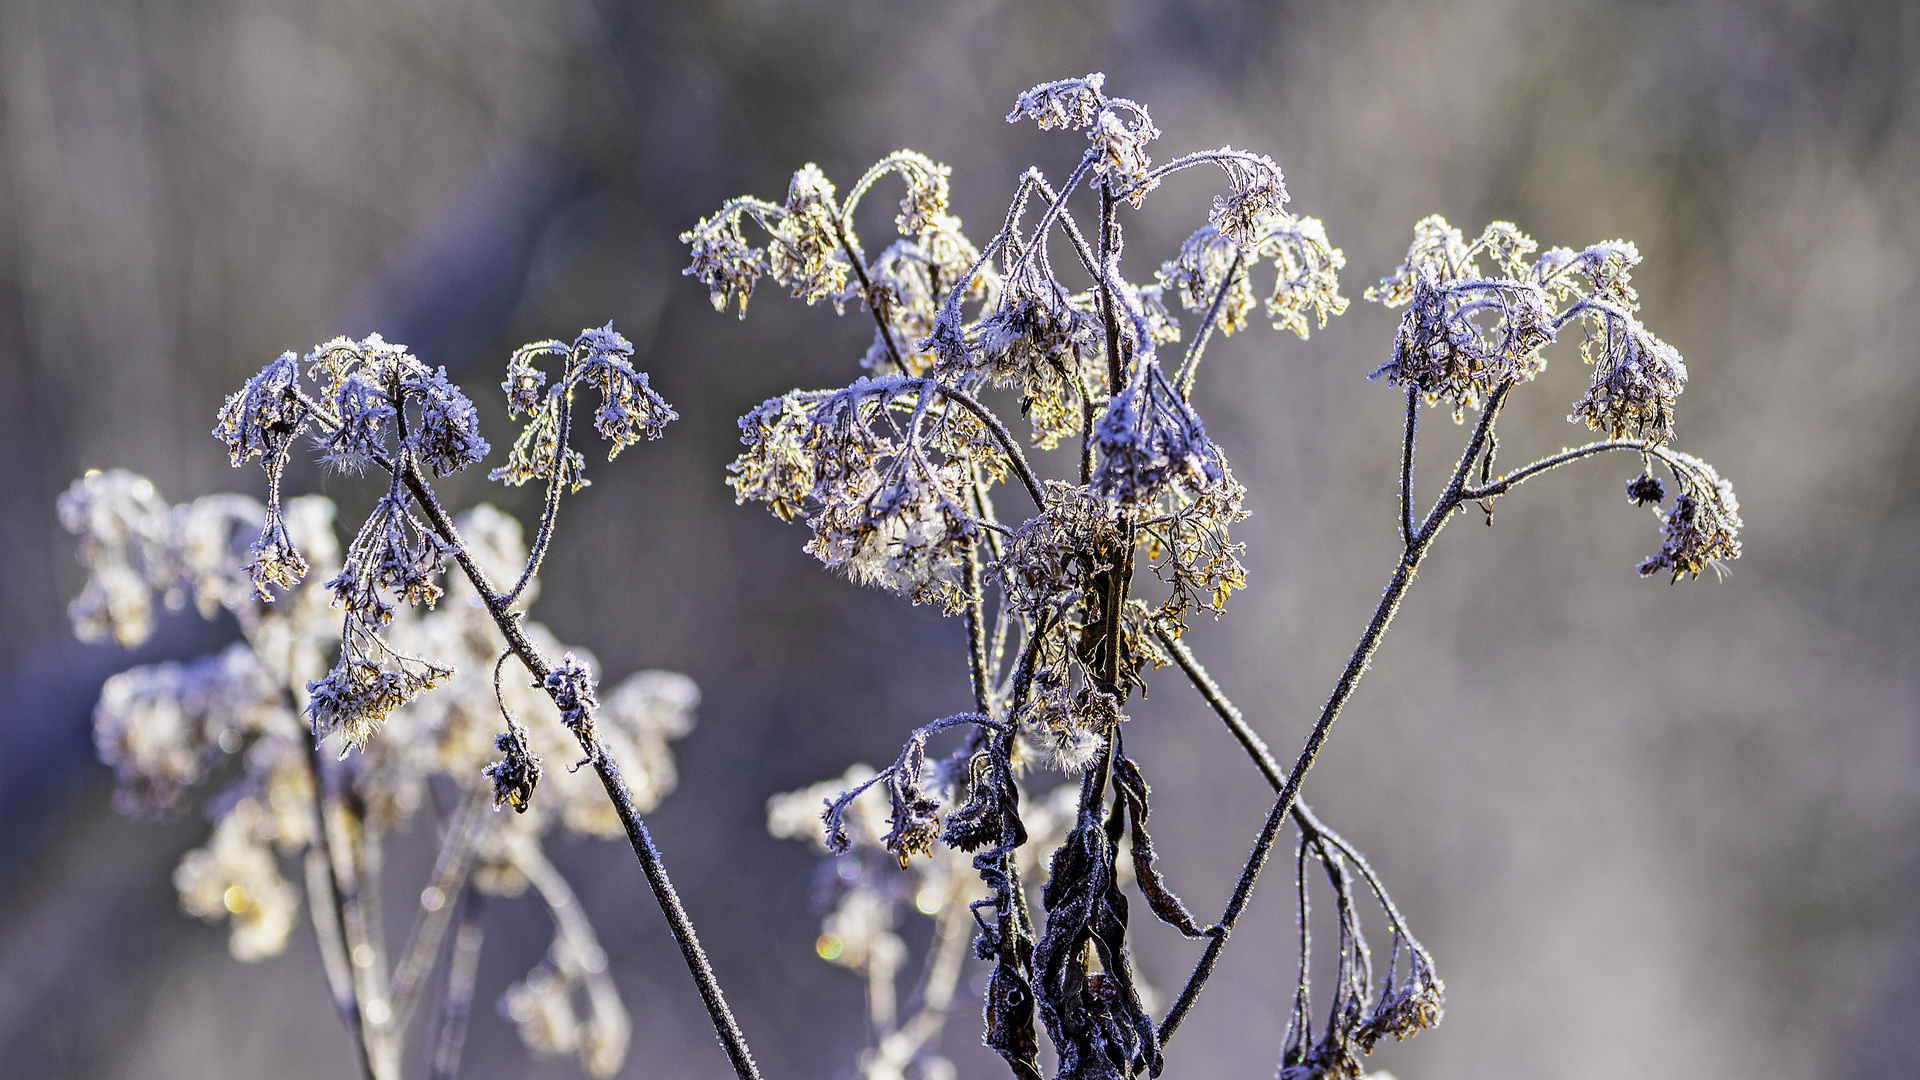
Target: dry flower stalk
x=895 y=475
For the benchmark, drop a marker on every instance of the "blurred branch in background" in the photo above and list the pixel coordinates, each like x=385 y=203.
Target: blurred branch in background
x=189 y=186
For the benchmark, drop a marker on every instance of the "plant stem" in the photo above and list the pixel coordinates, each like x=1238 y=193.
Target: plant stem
x=451 y=1032
x=1190 y=367
x=550 y=506
x=866 y=292
x=1416 y=548
x=537 y=664
x=1406 y=465
x=1511 y=480
x=669 y=900
x=449 y=879
x=350 y=1011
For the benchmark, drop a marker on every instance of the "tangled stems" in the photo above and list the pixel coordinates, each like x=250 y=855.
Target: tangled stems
x=902 y=505
x=508 y=620
x=1414 y=551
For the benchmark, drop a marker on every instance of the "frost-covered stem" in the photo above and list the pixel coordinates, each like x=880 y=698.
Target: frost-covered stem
x=1057 y=208
x=537 y=664
x=1249 y=739
x=999 y=432
x=349 y=1006
x=1198 y=157
x=976 y=628
x=1406 y=465
x=451 y=1032
x=1115 y=376
x=1283 y=804
x=656 y=871
x=1510 y=480
x=550 y=507
x=621 y=795
x=866 y=293
x=1357 y=663
x=1451 y=498
x=430 y=926
x=1086 y=435
x=1190 y=367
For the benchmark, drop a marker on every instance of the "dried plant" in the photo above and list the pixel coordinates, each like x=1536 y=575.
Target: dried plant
x=896 y=475
x=339 y=651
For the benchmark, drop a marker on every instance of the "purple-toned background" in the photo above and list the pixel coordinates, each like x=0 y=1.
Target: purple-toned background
x=1647 y=831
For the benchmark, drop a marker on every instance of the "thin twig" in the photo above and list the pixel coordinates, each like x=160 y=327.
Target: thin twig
x=508 y=622
x=1357 y=664
x=1190 y=367
x=669 y=900
x=867 y=295
x=450 y=1034
x=1510 y=480
x=975 y=604
x=351 y=1013
x=1000 y=435
x=429 y=930
x=550 y=506
x=1406 y=465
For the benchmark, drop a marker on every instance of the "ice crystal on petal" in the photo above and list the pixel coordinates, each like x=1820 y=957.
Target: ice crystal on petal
x=806 y=254
x=570 y=685
x=368 y=682
x=1439 y=251
x=1197 y=274
x=1259 y=195
x=1120 y=154
x=1646 y=490
x=366 y=416
x=776 y=468
x=906 y=536
x=1149 y=439
x=629 y=409
x=524 y=379
x=1703 y=527
x=447 y=438
x=262 y=418
x=1637 y=378
x=723 y=261
x=1309 y=273
x=1063 y=103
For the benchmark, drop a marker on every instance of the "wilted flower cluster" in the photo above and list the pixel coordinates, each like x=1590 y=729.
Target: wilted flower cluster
x=250 y=721
x=899 y=475
x=1702 y=527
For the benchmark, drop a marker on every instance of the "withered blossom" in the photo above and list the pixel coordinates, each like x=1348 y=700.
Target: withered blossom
x=1151 y=440
x=1637 y=378
x=1702 y=528
x=344 y=655
x=899 y=476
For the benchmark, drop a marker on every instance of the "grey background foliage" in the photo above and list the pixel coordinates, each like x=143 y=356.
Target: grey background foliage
x=1647 y=831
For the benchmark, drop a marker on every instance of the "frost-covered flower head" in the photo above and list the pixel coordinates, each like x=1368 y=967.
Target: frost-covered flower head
x=1702 y=528
x=1465 y=333
x=599 y=359
x=1150 y=439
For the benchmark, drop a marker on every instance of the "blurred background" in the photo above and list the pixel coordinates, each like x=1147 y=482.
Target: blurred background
x=1646 y=831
